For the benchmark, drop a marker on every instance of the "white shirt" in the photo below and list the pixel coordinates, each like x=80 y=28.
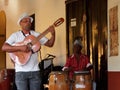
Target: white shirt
x=32 y=64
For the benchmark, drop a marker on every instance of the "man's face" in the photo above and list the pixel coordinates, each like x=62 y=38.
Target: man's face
x=25 y=24
x=77 y=48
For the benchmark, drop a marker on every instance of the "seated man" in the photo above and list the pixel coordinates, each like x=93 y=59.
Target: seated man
x=77 y=61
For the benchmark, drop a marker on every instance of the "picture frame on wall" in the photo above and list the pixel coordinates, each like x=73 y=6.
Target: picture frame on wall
x=113 y=29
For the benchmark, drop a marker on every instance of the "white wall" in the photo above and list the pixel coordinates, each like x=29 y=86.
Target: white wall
x=114 y=61
x=46 y=12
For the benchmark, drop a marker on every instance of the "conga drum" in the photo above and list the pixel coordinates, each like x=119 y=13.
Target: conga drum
x=58 y=80
x=82 y=80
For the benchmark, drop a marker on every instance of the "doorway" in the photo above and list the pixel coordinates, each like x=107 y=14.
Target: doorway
x=2 y=39
x=88 y=18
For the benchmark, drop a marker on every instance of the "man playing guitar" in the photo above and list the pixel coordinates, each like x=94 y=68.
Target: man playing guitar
x=28 y=72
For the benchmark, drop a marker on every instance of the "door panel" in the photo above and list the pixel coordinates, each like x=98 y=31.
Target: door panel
x=2 y=39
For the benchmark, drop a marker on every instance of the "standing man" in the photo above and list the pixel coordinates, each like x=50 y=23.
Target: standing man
x=28 y=74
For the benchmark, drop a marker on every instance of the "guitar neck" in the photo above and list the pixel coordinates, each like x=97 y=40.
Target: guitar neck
x=40 y=36
x=55 y=24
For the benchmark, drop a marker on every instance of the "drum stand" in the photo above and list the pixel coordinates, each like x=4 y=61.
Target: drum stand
x=46 y=66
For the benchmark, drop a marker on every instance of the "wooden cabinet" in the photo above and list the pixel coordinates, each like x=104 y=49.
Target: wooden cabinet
x=7 y=79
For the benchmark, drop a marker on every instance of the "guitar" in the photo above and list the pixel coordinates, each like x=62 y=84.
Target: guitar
x=22 y=58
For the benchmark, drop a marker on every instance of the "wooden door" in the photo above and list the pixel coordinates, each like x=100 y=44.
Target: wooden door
x=88 y=18
x=2 y=39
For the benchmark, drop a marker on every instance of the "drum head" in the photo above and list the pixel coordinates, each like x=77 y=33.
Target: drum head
x=57 y=72
x=81 y=72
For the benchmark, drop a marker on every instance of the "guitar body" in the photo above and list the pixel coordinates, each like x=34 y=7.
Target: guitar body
x=22 y=58
x=35 y=46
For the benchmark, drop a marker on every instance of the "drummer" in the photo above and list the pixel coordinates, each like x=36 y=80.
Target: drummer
x=77 y=61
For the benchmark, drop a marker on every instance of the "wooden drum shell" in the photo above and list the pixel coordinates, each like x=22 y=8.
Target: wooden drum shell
x=82 y=80
x=58 y=80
